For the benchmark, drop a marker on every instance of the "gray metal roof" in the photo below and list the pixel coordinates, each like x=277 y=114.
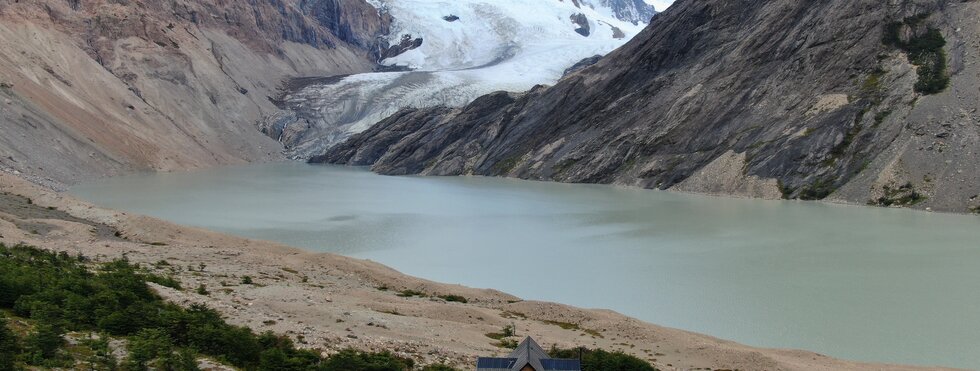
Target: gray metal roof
x=527 y=353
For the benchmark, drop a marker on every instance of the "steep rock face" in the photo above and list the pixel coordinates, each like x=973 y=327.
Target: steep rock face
x=763 y=99
x=94 y=88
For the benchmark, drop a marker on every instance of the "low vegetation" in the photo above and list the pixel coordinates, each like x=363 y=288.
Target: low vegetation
x=905 y=195
x=508 y=331
x=601 y=360
x=575 y=327
x=54 y=295
x=411 y=293
x=925 y=50
x=454 y=298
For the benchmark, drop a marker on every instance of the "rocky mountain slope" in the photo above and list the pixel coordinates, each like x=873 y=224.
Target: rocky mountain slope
x=861 y=101
x=95 y=87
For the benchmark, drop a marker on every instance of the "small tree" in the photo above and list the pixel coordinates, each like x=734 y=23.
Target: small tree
x=8 y=346
x=148 y=345
x=43 y=343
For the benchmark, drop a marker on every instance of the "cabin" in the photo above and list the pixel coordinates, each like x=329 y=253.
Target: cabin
x=528 y=356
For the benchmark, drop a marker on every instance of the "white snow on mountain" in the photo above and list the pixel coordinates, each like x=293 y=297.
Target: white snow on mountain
x=494 y=45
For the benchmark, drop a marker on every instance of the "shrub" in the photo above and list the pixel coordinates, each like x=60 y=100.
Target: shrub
x=246 y=280
x=348 y=360
x=925 y=51
x=438 y=367
x=9 y=348
x=59 y=293
x=454 y=298
x=601 y=360
x=148 y=345
x=411 y=293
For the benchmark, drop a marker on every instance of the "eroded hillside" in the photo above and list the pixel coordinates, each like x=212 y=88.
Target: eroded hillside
x=91 y=87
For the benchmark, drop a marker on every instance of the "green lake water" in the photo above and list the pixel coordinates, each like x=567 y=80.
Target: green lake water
x=852 y=282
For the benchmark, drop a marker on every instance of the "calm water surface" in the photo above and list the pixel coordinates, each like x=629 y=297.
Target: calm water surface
x=852 y=282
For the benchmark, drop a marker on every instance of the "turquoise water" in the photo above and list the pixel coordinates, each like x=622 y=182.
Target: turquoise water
x=859 y=283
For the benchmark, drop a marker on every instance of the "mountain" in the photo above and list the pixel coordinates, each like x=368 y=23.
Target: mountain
x=94 y=88
x=447 y=53
x=860 y=101
x=634 y=11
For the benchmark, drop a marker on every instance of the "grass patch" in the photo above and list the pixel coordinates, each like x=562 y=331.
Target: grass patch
x=411 y=293
x=575 y=327
x=454 y=298
x=507 y=165
x=507 y=331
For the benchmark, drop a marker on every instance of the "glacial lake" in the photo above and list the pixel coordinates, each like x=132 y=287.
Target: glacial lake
x=861 y=283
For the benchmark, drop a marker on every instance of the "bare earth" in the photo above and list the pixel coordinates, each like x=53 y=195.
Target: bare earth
x=332 y=302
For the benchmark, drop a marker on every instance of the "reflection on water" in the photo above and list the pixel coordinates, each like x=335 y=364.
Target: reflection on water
x=854 y=282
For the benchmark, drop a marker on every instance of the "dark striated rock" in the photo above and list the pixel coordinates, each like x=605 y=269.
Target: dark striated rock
x=765 y=99
x=582 y=64
x=407 y=43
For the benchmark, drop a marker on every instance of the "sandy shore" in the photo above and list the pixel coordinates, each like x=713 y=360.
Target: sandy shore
x=332 y=302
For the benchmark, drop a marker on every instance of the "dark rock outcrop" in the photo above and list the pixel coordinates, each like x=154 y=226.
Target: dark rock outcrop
x=765 y=99
x=582 y=64
x=582 y=22
x=406 y=43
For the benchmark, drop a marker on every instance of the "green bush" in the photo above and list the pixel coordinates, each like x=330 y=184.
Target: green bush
x=9 y=347
x=348 y=360
x=438 y=368
x=59 y=293
x=454 y=298
x=148 y=345
x=925 y=51
x=601 y=360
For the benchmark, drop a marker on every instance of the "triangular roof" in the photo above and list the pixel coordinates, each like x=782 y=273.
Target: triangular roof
x=527 y=353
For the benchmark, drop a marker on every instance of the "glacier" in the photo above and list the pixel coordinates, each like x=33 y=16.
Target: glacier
x=470 y=48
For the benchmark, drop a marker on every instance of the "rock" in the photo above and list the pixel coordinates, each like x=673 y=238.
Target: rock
x=583 y=24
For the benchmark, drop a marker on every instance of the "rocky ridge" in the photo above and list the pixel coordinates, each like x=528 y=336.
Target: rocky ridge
x=778 y=99
x=96 y=88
